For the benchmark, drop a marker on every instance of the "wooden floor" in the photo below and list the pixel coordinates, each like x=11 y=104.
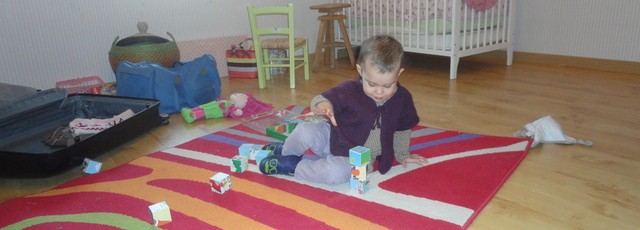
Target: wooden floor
x=555 y=187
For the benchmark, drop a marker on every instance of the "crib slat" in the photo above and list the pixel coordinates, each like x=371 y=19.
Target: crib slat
x=439 y=27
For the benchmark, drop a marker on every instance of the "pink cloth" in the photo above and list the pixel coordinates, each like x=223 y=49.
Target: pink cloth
x=253 y=107
x=80 y=126
x=481 y=5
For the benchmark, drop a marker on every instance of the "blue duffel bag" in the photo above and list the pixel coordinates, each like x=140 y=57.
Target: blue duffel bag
x=187 y=84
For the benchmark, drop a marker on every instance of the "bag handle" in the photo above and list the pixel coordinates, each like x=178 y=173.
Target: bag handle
x=115 y=41
x=171 y=36
x=245 y=40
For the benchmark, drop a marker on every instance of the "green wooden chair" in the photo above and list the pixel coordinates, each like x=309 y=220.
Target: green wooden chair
x=267 y=37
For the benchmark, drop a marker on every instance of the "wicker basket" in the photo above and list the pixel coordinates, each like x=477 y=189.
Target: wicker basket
x=144 y=47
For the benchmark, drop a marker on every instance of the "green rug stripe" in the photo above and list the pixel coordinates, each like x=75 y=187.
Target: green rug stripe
x=103 y=218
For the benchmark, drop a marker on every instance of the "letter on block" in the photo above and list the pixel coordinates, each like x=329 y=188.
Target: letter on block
x=160 y=213
x=220 y=182
x=359 y=156
x=89 y=166
x=239 y=163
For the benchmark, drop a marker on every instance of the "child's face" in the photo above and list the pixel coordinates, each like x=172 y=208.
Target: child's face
x=379 y=86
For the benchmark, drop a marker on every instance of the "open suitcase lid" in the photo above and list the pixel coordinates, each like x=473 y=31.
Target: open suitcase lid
x=25 y=99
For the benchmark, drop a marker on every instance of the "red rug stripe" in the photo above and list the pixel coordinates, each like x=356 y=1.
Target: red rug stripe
x=348 y=204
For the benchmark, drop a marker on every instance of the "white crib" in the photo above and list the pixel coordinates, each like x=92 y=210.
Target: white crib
x=452 y=28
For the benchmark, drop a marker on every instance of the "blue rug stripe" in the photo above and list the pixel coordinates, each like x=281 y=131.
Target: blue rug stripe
x=461 y=137
x=425 y=132
x=223 y=139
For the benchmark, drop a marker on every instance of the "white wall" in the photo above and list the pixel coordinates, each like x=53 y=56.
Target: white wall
x=47 y=41
x=43 y=42
x=604 y=29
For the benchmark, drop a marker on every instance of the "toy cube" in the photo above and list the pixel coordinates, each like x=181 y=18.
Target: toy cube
x=359 y=156
x=359 y=172
x=249 y=150
x=263 y=154
x=281 y=130
x=160 y=213
x=359 y=186
x=239 y=163
x=220 y=182
x=89 y=166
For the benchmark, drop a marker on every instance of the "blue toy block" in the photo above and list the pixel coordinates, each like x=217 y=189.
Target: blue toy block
x=359 y=156
x=359 y=186
x=91 y=167
x=261 y=154
x=249 y=150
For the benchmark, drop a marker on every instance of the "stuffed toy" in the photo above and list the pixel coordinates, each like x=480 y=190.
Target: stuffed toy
x=214 y=109
x=239 y=105
x=246 y=105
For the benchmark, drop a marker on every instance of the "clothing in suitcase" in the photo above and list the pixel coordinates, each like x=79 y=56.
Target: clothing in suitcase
x=29 y=125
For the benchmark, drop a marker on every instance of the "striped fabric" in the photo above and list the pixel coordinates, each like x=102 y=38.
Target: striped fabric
x=242 y=63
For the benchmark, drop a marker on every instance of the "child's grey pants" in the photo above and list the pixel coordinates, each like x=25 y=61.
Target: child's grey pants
x=325 y=168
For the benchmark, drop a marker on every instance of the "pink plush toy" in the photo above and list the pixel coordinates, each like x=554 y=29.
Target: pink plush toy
x=481 y=5
x=245 y=105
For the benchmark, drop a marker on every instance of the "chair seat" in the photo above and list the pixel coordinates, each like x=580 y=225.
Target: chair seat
x=277 y=37
x=281 y=43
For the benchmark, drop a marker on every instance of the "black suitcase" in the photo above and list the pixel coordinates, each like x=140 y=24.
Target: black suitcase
x=25 y=123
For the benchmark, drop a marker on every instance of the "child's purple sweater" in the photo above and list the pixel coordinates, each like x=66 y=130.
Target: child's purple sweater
x=357 y=114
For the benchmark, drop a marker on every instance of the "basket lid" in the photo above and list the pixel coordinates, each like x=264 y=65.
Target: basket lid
x=142 y=37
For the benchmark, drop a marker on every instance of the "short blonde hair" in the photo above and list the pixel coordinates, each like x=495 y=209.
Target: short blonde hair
x=383 y=51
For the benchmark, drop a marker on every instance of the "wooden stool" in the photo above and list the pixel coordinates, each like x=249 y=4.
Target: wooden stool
x=326 y=39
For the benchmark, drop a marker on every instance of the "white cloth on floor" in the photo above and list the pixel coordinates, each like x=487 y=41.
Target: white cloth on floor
x=81 y=126
x=547 y=130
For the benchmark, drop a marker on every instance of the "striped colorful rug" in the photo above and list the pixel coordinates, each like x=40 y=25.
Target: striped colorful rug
x=465 y=172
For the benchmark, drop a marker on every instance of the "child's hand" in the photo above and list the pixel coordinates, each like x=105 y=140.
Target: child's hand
x=326 y=109
x=415 y=158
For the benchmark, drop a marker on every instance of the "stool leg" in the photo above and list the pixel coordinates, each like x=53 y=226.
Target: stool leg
x=347 y=43
x=331 y=39
x=319 y=44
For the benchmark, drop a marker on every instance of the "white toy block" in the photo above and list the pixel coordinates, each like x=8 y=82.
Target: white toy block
x=249 y=150
x=359 y=156
x=262 y=154
x=160 y=213
x=239 y=163
x=358 y=186
x=89 y=166
x=220 y=182
x=359 y=172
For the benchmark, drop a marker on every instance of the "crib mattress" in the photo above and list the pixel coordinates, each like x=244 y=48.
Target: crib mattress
x=24 y=125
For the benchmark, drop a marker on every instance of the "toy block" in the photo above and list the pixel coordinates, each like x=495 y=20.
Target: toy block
x=249 y=150
x=359 y=156
x=359 y=172
x=160 y=213
x=281 y=130
x=263 y=154
x=91 y=167
x=359 y=186
x=220 y=182
x=239 y=163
